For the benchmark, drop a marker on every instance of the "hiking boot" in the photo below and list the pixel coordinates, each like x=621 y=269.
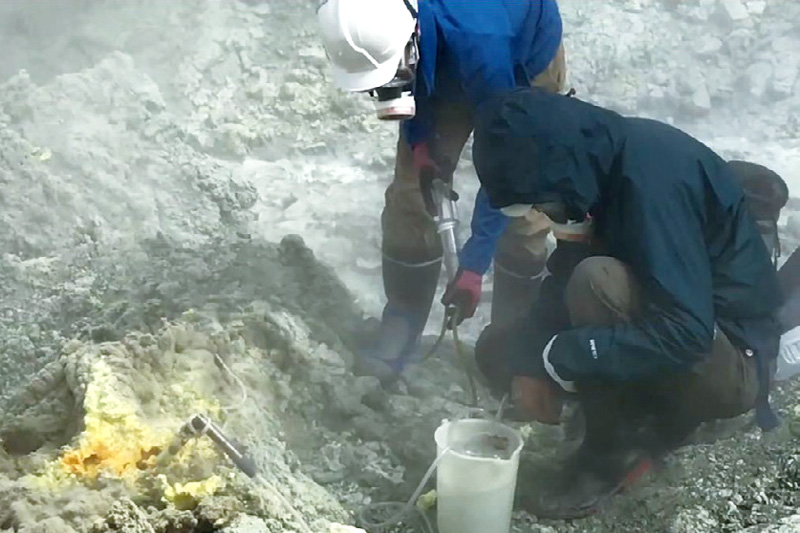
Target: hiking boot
x=618 y=448
x=585 y=482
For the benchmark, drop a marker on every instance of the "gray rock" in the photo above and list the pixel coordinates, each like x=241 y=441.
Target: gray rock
x=125 y=517
x=790 y=524
x=247 y=524
x=695 y=520
x=756 y=7
x=734 y=9
x=260 y=7
x=339 y=528
x=786 y=76
x=786 y=45
x=57 y=525
x=701 y=100
x=708 y=45
x=793 y=226
x=759 y=76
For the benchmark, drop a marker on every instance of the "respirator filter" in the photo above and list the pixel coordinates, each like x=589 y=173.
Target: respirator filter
x=395 y=100
x=395 y=104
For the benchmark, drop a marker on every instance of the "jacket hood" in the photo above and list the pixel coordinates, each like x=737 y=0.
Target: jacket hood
x=532 y=147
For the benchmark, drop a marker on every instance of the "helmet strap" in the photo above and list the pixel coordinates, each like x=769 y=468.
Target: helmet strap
x=411 y=9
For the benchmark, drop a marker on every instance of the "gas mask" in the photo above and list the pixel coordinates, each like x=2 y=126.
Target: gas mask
x=516 y=210
x=394 y=100
x=555 y=211
x=563 y=226
x=573 y=230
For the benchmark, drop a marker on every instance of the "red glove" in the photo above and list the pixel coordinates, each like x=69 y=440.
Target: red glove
x=464 y=293
x=422 y=157
x=538 y=398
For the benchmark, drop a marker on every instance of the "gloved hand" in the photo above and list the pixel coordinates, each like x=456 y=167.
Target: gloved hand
x=539 y=398
x=422 y=158
x=540 y=395
x=464 y=292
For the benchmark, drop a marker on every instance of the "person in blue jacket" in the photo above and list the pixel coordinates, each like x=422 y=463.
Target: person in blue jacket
x=431 y=64
x=660 y=312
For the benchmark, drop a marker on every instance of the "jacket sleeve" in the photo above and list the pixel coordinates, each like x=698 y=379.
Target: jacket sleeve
x=420 y=128
x=487 y=226
x=485 y=66
x=664 y=244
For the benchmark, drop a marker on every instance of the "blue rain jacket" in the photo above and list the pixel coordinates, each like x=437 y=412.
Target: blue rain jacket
x=664 y=204
x=470 y=50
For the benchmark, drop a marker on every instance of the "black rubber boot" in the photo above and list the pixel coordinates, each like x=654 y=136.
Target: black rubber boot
x=410 y=289
x=491 y=352
x=614 y=454
x=514 y=289
x=586 y=482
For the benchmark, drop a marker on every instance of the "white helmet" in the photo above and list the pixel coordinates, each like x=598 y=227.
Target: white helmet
x=366 y=40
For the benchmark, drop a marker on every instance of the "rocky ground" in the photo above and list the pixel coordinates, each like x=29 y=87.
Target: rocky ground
x=154 y=157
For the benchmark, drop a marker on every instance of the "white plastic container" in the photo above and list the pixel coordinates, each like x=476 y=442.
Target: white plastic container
x=789 y=355
x=477 y=476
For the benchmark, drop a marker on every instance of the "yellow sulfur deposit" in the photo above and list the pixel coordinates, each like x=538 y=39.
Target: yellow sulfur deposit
x=117 y=442
x=184 y=496
x=426 y=501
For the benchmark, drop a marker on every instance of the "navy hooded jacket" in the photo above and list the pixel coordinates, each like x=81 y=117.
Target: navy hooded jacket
x=663 y=203
x=471 y=50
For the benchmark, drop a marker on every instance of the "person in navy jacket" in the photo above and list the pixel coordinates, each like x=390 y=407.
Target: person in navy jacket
x=660 y=310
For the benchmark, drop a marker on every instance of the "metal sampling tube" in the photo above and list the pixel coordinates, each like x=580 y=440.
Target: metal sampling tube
x=202 y=425
x=447 y=225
